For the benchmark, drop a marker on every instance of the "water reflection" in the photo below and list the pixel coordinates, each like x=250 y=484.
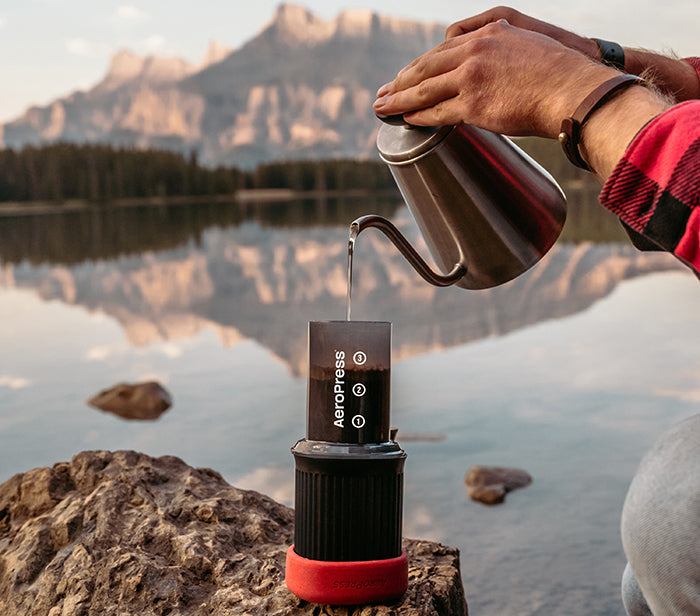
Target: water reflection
x=219 y=317
x=98 y=233
x=248 y=279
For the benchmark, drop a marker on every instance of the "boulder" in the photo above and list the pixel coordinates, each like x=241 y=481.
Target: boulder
x=490 y=484
x=121 y=533
x=142 y=401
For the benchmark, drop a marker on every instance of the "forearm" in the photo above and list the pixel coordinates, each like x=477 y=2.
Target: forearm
x=609 y=131
x=676 y=78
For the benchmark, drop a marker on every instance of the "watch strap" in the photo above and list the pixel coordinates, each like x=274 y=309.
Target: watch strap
x=571 y=127
x=611 y=54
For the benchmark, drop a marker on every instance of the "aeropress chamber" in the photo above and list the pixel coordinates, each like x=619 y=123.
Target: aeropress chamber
x=349 y=473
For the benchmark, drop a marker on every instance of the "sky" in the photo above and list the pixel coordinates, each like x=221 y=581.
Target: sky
x=50 y=48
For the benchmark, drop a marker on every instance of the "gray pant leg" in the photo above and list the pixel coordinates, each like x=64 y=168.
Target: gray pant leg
x=661 y=522
x=632 y=597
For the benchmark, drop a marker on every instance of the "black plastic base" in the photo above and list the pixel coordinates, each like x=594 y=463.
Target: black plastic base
x=348 y=501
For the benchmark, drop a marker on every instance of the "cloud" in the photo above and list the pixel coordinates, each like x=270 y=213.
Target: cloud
x=171 y=350
x=420 y=522
x=104 y=352
x=79 y=46
x=2 y=22
x=129 y=12
x=684 y=395
x=688 y=393
x=98 y=353
x=119 y=349
x=160 y=377
x=13 y=382
x=154 y=43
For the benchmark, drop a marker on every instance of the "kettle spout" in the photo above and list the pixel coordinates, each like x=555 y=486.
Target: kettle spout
x=407 y=250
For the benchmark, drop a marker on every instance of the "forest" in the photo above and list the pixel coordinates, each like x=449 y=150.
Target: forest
x=99 y=173
x=331 y=192
x=94 y=173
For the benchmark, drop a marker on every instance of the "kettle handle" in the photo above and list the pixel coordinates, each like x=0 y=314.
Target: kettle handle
x=410 y=254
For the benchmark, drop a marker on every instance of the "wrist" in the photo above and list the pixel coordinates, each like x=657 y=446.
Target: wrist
x=579 y=82
x=675 y=78
x=611 y=53
x=592 y=49
x=611 y=128
x=572 y=126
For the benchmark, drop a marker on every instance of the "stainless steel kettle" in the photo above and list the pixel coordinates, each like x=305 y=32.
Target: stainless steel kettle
x=488 y=212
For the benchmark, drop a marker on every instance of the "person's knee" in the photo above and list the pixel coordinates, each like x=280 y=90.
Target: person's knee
x=661 y=522
x=632 y=596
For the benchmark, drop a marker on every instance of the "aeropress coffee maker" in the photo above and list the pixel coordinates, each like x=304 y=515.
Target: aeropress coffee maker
x=349 y=473
x=488 y=213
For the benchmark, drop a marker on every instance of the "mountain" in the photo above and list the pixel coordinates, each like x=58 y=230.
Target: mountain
x=301 y=88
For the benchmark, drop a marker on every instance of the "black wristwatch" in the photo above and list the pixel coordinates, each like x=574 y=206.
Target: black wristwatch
x=611 y=54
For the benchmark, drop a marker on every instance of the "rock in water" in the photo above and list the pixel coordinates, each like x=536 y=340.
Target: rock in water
x=144 y=401
x=490 y=484
x=120 y=533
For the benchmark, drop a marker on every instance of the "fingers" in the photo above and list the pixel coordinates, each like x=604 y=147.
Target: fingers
x=471 y=24
x=437 y=77
x=443 y=59
x=520 y=20
x=445 y=112
x=438 y=60
x=429 y=93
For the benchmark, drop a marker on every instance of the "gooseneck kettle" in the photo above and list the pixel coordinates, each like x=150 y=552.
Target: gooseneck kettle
x=487 y=211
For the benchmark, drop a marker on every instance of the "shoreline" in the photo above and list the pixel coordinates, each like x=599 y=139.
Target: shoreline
x=248 y=195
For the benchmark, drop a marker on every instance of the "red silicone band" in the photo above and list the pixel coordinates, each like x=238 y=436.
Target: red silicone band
x=346 y=583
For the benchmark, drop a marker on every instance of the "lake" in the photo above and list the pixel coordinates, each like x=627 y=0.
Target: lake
x=568 y=372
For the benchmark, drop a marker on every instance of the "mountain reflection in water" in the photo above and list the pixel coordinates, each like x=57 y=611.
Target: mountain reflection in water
x=261 y=272
x=213 y=301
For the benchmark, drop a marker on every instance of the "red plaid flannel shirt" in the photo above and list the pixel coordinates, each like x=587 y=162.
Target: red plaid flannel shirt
x=655 y=188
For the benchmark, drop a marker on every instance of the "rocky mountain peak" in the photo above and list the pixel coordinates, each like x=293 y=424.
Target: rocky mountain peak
x=245 y=106
x=127 y=66
x=158 y=69
x=216 y=52
x=123 y=67
x=354 y=23
x=295 y=25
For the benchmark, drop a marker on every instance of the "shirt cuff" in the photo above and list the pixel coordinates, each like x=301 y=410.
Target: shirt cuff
x=695 y=63
x=653 y=187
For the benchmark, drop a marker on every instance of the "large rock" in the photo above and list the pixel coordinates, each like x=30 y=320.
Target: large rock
x=116 y=534
x=141 y=401
x=490 y=484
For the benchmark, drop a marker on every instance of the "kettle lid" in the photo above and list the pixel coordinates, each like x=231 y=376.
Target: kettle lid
x=399 y=142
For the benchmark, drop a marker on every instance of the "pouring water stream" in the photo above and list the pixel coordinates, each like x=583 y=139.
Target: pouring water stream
x=354 y=232
x=404 y=247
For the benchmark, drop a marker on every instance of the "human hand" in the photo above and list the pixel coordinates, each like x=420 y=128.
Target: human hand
x=498 y=77
x=674 y=77
x=587 y=46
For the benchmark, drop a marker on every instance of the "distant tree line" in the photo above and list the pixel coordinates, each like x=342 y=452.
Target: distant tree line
x=101 y=173
x=98 y=174
x=65 y=171
x=322 y=175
